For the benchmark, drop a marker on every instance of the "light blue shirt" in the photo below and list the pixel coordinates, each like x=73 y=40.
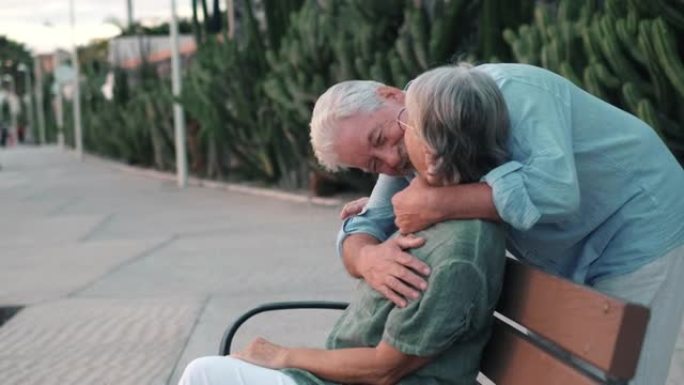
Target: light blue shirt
x=589 y=191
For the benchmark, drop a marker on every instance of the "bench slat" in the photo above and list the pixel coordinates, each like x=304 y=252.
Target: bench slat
x=512 y=360
x=600 y=329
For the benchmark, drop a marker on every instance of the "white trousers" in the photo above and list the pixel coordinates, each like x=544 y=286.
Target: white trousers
x=658 y=285
x=217 y=370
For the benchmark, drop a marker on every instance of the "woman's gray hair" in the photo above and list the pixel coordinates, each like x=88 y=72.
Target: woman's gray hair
x=340 y=101
x=462 y=116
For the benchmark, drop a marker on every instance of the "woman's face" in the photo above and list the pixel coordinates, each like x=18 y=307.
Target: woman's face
x=416 y=148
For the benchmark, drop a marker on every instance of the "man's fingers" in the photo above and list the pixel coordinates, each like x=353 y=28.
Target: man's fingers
x=409 y=277
x=410 y=241
x=353 y=208
x=392 y=296
x=414 y=264
x=401 y=288
x=406 y=230
x=347 y=210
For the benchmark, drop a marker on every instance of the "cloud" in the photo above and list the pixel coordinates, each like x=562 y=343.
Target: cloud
x=44 y=25
x=41 y=38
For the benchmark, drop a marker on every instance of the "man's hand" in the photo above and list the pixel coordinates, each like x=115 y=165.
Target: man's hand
x=353 y=208
x=413 y=208
x=392 y=272
x=263 y=353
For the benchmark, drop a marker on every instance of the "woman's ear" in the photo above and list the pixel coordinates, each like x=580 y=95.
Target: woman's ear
x=431 y=176
x=391 y=93
x=430 y=159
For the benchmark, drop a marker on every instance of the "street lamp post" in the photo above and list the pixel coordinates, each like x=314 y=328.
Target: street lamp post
x=13 y=112
x=129 y=10
x=77 y=87
x=27 y=76
x=178 y=115
x=38 y=69
x=59 y=104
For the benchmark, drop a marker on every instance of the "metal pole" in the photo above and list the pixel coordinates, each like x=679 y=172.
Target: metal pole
x=28 y=93
x=59 y=109
x=178 y=115
x=2 y=103
x=77 y=88
x=130 y=13
x=39 y=97
x=231 y=18
x=13 y=111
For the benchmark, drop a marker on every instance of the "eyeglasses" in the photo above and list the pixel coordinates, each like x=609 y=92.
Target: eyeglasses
x=401 y=124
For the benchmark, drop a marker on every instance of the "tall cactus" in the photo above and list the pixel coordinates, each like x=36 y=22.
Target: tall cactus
x=623 y=51
x=496 y=16
x=433 y=34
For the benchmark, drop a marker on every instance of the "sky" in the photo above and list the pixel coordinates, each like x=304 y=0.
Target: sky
x=44 y=25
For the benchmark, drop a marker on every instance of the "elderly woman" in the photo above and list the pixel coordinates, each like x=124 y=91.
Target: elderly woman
x=439 y=337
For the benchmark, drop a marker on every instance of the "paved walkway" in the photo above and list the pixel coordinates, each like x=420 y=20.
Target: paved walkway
x=127 y=278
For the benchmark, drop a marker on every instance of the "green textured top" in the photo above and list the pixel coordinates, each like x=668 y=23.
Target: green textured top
x=452 y=319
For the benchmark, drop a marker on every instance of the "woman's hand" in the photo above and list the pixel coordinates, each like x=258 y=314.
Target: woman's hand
x=263 y=353
x=414 y=208
x=353 y=208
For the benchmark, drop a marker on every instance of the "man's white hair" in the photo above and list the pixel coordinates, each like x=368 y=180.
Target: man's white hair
x=340 y=101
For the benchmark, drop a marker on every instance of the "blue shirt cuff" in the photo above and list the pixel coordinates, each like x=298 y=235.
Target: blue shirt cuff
x=510 y=195
x=377 y=222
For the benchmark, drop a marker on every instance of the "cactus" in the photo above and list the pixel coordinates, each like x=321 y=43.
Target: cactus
x=615 y=54
x=671 y=11
x=625 y=51
x=432 y=37
x=665 y=47
x=662 y=87
x=592 y=83
x=496 y=16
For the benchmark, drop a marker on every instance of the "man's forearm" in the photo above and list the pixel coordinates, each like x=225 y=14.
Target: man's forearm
x=465 y=201
x=351 y=251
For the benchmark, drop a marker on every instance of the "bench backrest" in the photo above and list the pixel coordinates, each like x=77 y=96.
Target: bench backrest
x=570 y=333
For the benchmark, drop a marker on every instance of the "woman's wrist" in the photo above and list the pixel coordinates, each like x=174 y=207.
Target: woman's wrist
x=287 y=357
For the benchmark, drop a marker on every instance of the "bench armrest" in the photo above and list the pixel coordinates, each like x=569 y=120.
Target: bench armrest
x=227 y=340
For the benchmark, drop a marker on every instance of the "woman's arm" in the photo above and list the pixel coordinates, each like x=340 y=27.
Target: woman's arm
x=383 y=364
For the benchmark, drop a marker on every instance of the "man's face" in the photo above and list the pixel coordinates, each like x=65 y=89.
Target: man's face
x=374 y=142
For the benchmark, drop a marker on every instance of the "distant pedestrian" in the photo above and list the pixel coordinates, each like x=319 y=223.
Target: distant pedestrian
x=4 y=134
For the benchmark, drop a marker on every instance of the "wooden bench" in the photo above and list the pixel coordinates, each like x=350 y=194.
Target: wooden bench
x=548 y=331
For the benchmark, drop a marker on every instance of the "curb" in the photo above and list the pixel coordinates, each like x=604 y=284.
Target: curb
x=217 y=185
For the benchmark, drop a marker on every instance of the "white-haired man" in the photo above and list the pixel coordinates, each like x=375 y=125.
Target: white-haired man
x=588 y=192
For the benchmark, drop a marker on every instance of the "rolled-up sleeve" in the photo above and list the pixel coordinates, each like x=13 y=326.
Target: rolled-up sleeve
x=377 y=218
x=539 y=184
x=445 y=313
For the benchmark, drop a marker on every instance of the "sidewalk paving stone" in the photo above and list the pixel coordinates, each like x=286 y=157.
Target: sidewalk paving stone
x=86 y=341
x=37 y=273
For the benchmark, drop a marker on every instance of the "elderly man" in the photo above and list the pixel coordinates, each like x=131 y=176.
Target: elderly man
x=588 y=192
